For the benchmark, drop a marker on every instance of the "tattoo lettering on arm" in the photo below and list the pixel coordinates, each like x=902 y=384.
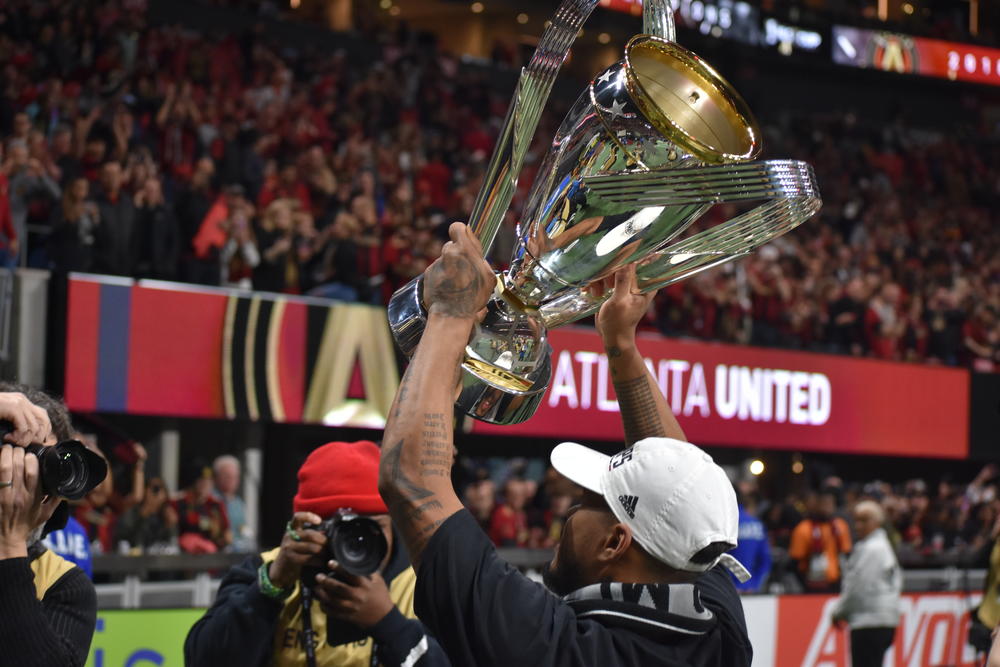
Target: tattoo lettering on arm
x=409 y=503
x=436 y=449
x=640 y=414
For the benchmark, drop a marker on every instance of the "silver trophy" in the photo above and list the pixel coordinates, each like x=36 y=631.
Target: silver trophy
x=653 y=142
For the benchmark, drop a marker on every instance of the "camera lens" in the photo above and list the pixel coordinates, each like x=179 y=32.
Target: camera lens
x=359 y=545
x=68 y=470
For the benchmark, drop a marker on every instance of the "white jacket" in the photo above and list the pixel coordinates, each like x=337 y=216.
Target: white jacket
x=872 y=583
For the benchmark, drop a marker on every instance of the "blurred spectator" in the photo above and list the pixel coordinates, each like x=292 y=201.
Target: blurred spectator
x=95 y=513
x=239 y=256
x=285 y=185
x=479 y=498
x=149 y=526
x=8 y=234
x=884 y=324
x=278 y=270
x=945 y=323
x=847 y=316
x=193 y=202
x=873 y=582
x=114 y=241
x=203 y=526
x=27 y=181
x=818 y=544
x=73 y=229
x=157 y=237
x=226 y=473
x=336 y=268
x=753 y=548
x=509 y=523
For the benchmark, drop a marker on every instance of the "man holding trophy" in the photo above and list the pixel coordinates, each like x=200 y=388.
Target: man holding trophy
x=636 y=564
x=654 y=141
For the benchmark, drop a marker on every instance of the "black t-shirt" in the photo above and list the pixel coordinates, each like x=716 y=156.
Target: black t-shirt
x=485 y=612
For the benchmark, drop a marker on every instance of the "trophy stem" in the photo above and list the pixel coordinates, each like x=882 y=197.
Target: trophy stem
x=658 y=19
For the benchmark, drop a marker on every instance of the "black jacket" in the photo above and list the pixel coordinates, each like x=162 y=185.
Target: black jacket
x=246 y=628
x=114 y=242
x=484 y=612
x=53 y=632
x=157 y=243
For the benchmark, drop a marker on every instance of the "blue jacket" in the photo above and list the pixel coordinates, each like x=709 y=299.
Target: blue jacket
x=72 y=544
x=754 y=551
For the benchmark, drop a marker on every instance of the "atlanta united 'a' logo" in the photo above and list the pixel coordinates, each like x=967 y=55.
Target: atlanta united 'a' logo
x=893 y=53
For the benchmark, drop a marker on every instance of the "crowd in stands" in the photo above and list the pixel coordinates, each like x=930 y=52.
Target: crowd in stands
x=158 y=152
x=130 y=514
x=805 y=534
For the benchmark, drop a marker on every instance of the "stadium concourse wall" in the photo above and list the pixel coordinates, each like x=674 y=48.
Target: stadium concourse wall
x=175 y=350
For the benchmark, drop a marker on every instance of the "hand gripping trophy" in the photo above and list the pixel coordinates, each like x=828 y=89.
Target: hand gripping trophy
x=653 y=142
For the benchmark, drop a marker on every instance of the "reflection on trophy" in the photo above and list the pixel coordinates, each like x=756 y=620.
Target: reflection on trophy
x=654 y=141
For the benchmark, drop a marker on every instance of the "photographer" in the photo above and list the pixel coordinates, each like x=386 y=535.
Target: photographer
x=48 y=607
x=257 y=618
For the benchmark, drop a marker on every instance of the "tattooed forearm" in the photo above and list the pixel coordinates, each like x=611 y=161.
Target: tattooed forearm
x=404 y=490
x=418 y=453
x=409 y=503
x=640 y=414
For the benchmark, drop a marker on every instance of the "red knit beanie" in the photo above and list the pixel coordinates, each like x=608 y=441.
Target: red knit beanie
x=339 y=475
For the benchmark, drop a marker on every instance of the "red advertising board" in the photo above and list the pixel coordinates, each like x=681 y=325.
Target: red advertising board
x=904 y=54
x=795 y=631
x=752 y=397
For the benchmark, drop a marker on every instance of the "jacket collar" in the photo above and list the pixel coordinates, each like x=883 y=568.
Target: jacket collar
x=653 y=610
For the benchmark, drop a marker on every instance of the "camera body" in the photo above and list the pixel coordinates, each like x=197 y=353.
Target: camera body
x=356 y=542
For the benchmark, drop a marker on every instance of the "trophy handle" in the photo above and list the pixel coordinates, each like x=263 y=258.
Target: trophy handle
x=740 y=181
x=658 y=19
x=789 y=186
x=533 y=88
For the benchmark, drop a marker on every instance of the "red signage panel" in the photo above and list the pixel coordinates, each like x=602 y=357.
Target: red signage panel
x=631 y=6
x=904 y=54
x=753 y=397
x=932 y=631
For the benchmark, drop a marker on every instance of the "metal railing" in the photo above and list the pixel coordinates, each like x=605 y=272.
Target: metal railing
x=195 y=579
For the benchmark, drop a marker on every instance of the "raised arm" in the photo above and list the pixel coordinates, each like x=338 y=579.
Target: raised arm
x=417 y=451
x=644 y=409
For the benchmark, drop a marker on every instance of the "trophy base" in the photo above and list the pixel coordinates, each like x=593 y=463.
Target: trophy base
x=507 y=364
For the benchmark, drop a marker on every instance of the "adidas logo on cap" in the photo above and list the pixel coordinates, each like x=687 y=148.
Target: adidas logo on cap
x=629 y=502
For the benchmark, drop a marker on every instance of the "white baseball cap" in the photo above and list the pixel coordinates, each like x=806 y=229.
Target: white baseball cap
x=673 y=496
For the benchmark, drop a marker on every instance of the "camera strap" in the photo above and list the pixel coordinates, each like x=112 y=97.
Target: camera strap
x=308 y=635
